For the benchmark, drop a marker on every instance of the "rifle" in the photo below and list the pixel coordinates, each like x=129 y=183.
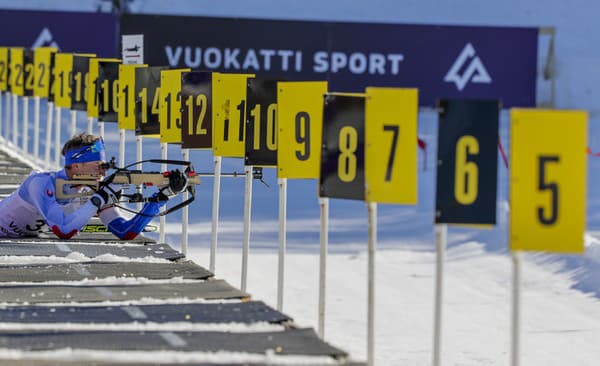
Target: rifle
x=128 y=177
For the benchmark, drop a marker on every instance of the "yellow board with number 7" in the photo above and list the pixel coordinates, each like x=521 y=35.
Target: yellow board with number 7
x=169 y=115
x=548 y=180
x=391 y=145
x=300 y=120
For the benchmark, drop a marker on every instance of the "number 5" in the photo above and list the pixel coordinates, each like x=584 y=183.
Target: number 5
x=552 y=187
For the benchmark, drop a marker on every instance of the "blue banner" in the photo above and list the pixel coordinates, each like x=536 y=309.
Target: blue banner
x=442 y=61
x=68 y=31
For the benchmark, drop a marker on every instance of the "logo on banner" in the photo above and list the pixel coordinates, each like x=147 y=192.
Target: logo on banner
x=45 y=39
x=474 y=71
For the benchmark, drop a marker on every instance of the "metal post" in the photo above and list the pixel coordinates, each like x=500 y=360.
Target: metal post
x=185 y=154
x=282 y=240
x=50 y=106
x=25 y=125
x=138 y=157
x=15 y=120
x=215 y=213
x=121 y=147
x=57 y=136
x=516 y=309
x=163 y=219
x=247 y=214
x=36 y=127
x=372 y=209
x=324 y=205
x=101 y=129
x=441 y=236
x=73 y=122
x=2 y=129
x=90 y=125
x=8 y=100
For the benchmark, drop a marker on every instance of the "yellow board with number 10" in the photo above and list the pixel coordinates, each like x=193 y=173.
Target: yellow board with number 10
x=547 y=180
x=391 y=145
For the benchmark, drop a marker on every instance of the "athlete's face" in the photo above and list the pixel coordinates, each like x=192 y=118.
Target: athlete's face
x=93 y=168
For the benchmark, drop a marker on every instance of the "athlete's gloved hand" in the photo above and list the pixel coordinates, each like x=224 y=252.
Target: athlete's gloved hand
x=108 y=195
x=177 y=183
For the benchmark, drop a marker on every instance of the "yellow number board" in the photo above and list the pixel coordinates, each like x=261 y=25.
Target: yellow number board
x=17 y=71
x=548 y=180
x=92 y=90
x=229 y=110
x=126 y=114
x=170 y=105
x=4 y=69
x=63 y=65
x=391 y=145
x=42 y=70
x=300 y=119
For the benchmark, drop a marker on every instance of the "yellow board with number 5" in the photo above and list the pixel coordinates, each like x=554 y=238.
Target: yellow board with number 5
x=300 y=120
x=548 y=180
x=391 y=145
x=170 y=105
x=63 y=65
x=229 y=114
x=126 y=115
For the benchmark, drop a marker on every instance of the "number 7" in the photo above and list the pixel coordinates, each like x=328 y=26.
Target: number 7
x=396 y=132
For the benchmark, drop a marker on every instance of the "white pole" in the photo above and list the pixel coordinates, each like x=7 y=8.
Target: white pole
x=282 y=240
x=15 y=116
x=516 y=309
x=8 y=114
x=121 y=147
x=247 y=212
x=36 y=127
x=372 y=209
x=138 y=157
x=25 y=125
x=50 y=106
x=185 y=154
x=101 y=129
x=215 y=213
x=57 y=136
x=163 y=219
x=441 y=236
x=324 y=204
x=90 y=126
x=2 y=129
x=73 y=123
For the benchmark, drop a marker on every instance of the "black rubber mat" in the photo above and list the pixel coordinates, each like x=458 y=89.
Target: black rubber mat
x=338 y=362
x=241 y=312
x=213 y=289
x=288 y=342
x=162 y=363
x=19 y=247
x=95 y=270
x=96 y=237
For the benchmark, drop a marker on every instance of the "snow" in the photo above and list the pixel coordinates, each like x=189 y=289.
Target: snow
x=561 y=325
